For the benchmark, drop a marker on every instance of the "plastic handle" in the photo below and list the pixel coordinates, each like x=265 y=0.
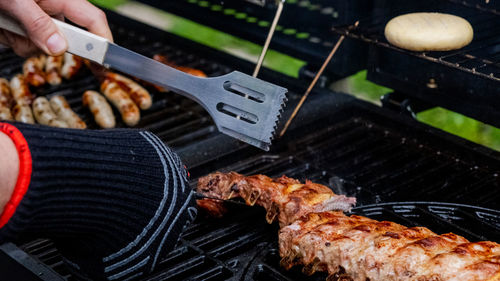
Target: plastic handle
x=80 y=42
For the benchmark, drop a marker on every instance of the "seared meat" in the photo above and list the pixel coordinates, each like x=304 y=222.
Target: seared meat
x=284 y=198
x=193 y=71
x=358 y=248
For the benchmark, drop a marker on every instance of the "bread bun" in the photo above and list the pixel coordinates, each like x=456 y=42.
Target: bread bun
x=429 y=32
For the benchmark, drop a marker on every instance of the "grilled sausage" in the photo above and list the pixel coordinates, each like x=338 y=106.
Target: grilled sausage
x=5 y=114
x=137 y=93
x=188 y=70
x=71 y=66
x=22 y=113
x=53 y=67
x=23 y=99
x=5 y=100
x=100 y=108
x=45 y=115
x=65 y=113
x=5 y=94
x=33 y=70
x=122 y=101
x=20 y=90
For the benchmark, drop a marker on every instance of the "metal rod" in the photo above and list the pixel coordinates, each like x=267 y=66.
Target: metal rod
x=313 y=83
x=269 y=37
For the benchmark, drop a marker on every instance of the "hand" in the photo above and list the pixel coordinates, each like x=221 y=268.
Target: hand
x=43 y=34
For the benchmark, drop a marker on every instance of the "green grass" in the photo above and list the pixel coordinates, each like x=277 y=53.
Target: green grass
x=108 y=4
x=365 y=89
x=462 y=126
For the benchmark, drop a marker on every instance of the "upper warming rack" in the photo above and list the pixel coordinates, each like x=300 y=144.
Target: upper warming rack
x=465 y=80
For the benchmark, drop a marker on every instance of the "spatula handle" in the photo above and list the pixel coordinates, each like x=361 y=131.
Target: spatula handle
x=80 y=42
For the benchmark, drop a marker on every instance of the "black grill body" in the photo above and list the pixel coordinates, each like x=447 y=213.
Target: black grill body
x=399 y=169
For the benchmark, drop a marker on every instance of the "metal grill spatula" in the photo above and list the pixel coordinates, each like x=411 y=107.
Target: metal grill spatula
x=243 y=107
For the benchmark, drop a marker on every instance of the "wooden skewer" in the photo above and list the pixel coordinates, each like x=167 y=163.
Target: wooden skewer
x=269 y=37
x=313 y=83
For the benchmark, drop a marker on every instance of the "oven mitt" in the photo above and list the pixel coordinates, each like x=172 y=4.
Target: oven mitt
x=113 y=201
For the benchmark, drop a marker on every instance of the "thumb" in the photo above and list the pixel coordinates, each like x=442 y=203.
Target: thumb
x=39 y=26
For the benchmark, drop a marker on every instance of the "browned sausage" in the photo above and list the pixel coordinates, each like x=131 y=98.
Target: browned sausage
x=5 y=114
x=45 y=115
x=6 y=100
x=20 y=90
x=188 y=70
x=122 y=101
x=65 y=113
x=23 y=113
x=71 y=66
x=137 y=93
x=100 y=108
x=53 y=70
x=33 y=70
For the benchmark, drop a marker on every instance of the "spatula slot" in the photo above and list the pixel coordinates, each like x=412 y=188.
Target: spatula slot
x=237 y=113
x=244 y=92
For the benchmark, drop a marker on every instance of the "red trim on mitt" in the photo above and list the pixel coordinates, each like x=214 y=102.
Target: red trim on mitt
x=24 y=177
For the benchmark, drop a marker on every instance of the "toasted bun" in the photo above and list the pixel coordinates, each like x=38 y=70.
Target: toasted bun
x=429 y=32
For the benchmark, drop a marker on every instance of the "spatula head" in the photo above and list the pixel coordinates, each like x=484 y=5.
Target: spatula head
x=242 y=106
x=249 y=108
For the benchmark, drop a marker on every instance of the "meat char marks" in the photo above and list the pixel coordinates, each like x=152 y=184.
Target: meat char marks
x=317 y=235
x=357 y=248
x=284 y=198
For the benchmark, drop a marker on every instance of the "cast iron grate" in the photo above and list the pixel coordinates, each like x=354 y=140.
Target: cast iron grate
x=241 y=246
x=364 y=156
x=359 y=156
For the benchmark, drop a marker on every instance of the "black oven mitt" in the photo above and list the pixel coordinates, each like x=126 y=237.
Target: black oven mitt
x=113 y=201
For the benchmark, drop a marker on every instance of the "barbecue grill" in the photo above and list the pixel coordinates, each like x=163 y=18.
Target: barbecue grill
x=399 y=169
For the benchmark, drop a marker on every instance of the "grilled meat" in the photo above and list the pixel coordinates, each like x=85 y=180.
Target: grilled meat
x=284 y=198
x=189 y=70
x=351 y=248
x=71 y=66
x=137 y=93
x=64 y=112
x=121 y=100
x=165 y=60
x=33 y=70
x=6 y=100
x=53 y=66
x=20 y=90
x=45 y=115
x=100 y=108
x=358 y=248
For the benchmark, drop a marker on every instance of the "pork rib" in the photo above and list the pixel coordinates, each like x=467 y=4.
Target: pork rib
x=357 y=248
x=284 y=198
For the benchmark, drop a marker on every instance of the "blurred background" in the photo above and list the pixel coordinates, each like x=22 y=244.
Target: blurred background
x=356 y=84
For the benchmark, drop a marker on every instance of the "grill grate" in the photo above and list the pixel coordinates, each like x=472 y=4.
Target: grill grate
x=241 y=246
x=360 y=155
x=359 y=150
